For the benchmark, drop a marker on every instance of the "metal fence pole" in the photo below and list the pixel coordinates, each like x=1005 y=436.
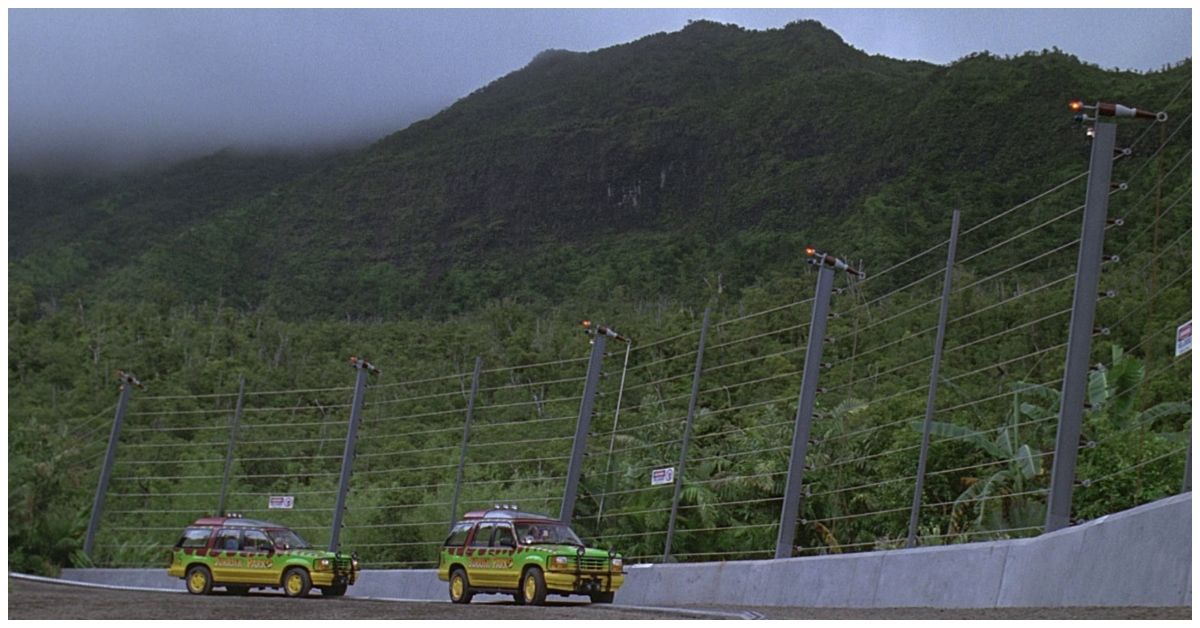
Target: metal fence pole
x=360 y=389
x=687 y=435
x=128 y=381
x=462 y=456
x=1083 y=317
x=233 y=434
x=579 y=446
x=931 y=400
x=804 y=410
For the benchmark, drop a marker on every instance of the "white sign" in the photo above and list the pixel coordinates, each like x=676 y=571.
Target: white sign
x=662 y=476
x=281 y=501
x=1183 y=338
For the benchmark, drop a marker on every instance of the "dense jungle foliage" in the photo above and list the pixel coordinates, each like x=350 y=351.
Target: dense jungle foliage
x=635 y=185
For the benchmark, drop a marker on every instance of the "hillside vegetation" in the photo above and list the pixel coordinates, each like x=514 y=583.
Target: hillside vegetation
x=635 y=185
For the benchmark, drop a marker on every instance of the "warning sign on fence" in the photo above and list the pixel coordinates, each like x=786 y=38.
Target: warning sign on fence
x=662 y=476
x=1183 y=338
x=281 y=501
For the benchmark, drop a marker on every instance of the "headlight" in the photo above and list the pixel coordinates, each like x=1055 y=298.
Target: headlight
x=323 y=564
x=617 y=562
x=559 y=562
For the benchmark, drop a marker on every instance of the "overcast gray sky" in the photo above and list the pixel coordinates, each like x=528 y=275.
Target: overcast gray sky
x=128 y=87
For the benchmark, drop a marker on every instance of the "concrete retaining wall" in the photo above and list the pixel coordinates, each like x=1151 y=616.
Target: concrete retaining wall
x=1140 y=557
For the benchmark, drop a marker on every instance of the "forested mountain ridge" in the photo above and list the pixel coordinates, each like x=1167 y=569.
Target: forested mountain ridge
x=634 y=185
x=582 y=163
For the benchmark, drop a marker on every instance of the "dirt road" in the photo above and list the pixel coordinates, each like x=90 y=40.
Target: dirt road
x=40 y=600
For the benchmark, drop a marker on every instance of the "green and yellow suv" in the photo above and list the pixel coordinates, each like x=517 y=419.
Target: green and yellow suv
x=242 y=554
x=526 y=555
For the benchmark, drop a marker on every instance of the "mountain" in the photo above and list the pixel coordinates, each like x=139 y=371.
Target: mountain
x=639 y=169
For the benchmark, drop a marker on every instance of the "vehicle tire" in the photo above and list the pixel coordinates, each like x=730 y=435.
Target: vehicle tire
x=198 y=579
x=296 y=582
x=337 y=590
x=518 y=599
x=460 y=587
x=602 y=598
x=533 y=587
x=237 y=590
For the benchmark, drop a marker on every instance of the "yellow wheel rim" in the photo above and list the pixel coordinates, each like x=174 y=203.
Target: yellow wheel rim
x=197 y=580
x=294 y=582
x=530 y=587
x=456 y=587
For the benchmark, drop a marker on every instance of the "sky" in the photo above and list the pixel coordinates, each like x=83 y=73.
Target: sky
x=121 y=89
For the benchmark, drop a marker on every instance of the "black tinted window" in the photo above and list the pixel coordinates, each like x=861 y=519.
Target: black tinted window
x=256 y=541
x=229 y=540
x=195 y=537
x=458 y=536
x=483 y=535
x=504 y=537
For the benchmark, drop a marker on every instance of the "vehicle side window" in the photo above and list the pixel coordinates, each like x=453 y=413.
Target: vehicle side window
x=458 y=536
x=504 y=537
x=256 y=541
x=195 y=537
x=483 y=535
x=228 y=540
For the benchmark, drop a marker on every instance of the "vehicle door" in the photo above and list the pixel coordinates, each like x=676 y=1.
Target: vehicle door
x=504 y=544
x=228 y=563
x=258 y=549
x=479 y=560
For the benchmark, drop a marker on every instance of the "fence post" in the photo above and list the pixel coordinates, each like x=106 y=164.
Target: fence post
x=931 y=400
x=687 y=436
x=360 y=389
x=128 y=381
x=1083 y=317
x=233 y=434
x=804 y=410
x=462 y=456
x=579 y=446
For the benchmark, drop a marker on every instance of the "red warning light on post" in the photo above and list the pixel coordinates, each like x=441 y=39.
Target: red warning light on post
x=1075 y=105
x=586 y=323
x=810 y=251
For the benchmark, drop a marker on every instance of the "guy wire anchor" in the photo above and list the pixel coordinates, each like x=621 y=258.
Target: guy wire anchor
x=831 y=261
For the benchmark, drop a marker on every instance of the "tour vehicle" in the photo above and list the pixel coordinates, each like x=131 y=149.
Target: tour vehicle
x=526 y=555
x=243 y=554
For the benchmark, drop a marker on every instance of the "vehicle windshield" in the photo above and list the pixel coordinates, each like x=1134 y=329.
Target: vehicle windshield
x=286 y=539
x=547 y=532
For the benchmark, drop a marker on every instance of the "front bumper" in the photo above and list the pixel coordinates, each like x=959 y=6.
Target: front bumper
x=583 y=582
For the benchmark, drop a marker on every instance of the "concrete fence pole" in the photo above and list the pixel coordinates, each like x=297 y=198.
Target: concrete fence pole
x=462 y=454
x=931 y=401
x=804 y=413
x=128 y=381
x=234 y=424
x=1083 y=318
x=582 y=427
x=360 y=390
x=687 y=436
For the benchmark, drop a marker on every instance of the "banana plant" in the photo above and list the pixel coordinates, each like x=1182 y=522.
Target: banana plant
x=1112 y=395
